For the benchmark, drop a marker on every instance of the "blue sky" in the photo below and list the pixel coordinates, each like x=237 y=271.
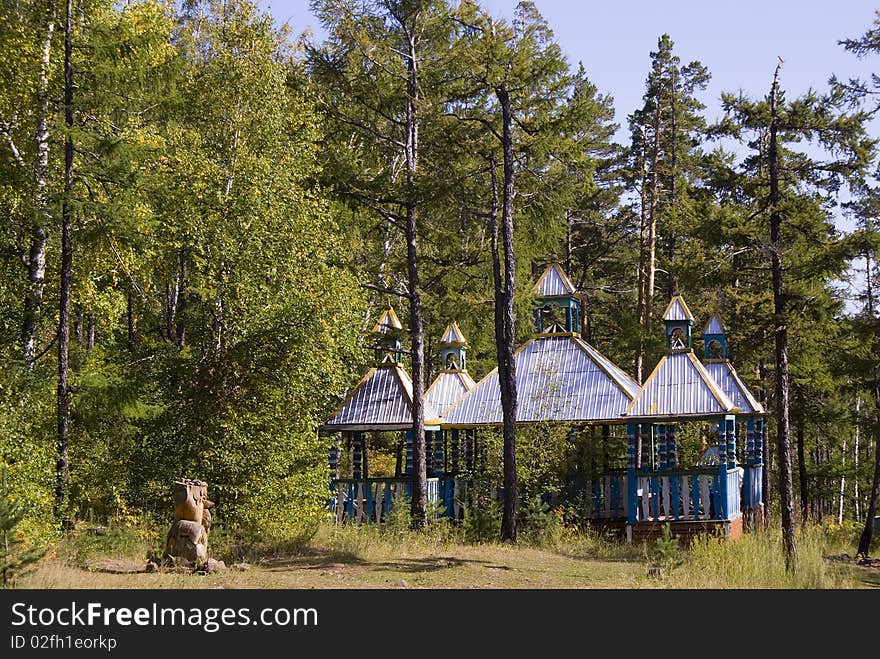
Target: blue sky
x=739 y=41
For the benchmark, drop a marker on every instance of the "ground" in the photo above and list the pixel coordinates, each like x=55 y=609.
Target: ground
x=371 y=558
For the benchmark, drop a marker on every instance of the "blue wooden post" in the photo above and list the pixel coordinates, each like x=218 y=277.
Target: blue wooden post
x=386 y=502
x=750 y=461
x=357 y=445
x=646 y=447
x=730 y=422
x=661 y=446
x=469 y=449
x=455 y=446
x=760 y=438
x=349 y=503
x=368 y=500
x=722 y=469
x=438 y=453
x=672 y=463
x=408 y=469
x=632 y=486
x=671 y=447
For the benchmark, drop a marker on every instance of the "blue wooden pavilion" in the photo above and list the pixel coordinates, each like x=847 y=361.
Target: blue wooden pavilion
x=562 y=379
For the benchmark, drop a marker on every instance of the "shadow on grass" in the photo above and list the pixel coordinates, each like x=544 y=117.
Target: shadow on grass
x=322 y=560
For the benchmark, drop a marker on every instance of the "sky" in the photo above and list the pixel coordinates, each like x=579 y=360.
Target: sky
x=739 y=41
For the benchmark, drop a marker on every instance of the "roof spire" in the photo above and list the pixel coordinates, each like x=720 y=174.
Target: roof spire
x=557 y=302
x=714 y=339
x=679 y=323
x=453 y=348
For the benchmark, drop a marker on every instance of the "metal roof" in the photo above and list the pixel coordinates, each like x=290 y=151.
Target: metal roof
x=387 y=321
x=447 y=388
x=677 y=310
x=558 y=378
x=714 y=325
x=731 y=384
x=680 y=386
x=553 y=283
x=453 y=335
x=382 y=400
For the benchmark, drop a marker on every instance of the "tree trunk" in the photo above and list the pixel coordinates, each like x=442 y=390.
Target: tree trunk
x=129 y=316
x=671 y=284
x=36 y=261
x=856 y=495
x=868 y=531
x=842 y=482
x=643 y=261
x=783 y=430
x=417 y=332
x=802 y=464
x=652 y=223
x=505 y=346
x=62 y=467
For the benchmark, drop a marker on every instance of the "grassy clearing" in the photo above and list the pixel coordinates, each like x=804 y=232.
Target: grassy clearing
x=393 y=557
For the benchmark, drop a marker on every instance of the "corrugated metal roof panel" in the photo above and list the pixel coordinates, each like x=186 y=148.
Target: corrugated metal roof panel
x=731 y=384
x=557 y=379
x=553 y=282
x=448 y=388
x=387 y=322
x=625 y=381
x=382 y=399
x=677 y=310
x=680 y=386
x=714 y=325
x=453 y=335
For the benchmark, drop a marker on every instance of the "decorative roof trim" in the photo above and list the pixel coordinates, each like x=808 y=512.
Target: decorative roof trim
x=566 y=282
x=394 y=322
x=678 y=299
x=708 y=328
x=455 y=330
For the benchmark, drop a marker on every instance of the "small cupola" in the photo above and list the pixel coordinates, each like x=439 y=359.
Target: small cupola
x=679 y=323
x=557 y=305
x=714 y=340
x=386 y=334
x=453 y=349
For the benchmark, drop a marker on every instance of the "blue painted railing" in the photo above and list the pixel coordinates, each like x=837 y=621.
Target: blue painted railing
x=369 y=500
x=700 y=493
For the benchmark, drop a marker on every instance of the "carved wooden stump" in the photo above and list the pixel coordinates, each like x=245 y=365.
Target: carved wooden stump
x=188 y=537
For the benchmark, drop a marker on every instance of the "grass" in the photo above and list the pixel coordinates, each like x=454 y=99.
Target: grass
x=440 y=557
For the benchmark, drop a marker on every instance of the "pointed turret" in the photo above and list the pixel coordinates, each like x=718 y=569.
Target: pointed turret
x=387 y=333
x=679 y=323
x=557 y=303
x=717 y=363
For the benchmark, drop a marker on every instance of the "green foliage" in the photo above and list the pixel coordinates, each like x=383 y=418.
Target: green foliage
x=482 y=514
x=665 y=552
x=18 y=556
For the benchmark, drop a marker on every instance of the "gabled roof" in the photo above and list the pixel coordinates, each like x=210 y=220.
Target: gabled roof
x=387 y=321
x=677 y=310
x=553 y=283
x=558 y=378
x=382 y=400
x=731 y=384
x=447 y=388
x=714 y=326
x=680 y=386
x=453 y=335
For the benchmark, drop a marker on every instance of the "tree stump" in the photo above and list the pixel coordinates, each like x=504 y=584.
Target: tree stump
x=188 y=537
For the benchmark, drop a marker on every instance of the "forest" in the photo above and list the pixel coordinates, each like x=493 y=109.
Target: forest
x=204 y=214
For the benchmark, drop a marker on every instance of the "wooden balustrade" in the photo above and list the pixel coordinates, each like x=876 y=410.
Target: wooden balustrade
x=680 y=494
